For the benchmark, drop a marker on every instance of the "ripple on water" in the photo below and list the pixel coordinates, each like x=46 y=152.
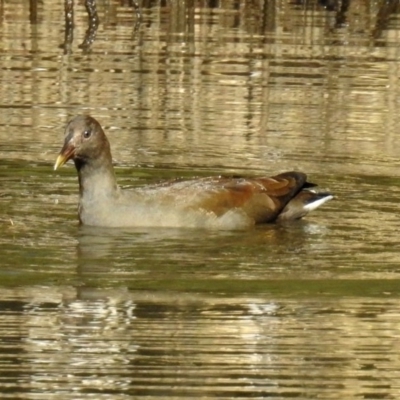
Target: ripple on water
x=103 y=342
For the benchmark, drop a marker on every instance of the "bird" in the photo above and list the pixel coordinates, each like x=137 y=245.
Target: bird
x=220 y=202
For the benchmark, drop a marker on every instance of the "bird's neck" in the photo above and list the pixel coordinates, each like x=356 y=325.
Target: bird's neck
x=96 y=179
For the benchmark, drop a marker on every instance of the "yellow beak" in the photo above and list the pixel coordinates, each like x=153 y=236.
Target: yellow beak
x=66 y=153
x=61 y=160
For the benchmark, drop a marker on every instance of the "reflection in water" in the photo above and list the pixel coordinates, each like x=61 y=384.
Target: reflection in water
x=93 y=23
x=218 y=92
x=158 y=344
x=201 y=259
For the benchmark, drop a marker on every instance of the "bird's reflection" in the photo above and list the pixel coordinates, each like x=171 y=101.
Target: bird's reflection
x=194 y=254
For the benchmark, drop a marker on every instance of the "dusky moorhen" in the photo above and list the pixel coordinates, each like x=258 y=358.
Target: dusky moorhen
x=211 y=202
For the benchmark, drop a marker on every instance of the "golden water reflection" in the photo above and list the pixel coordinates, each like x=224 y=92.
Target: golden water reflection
x=152 y=344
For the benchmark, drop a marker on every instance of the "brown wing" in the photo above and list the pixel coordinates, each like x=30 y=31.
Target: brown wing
x=261 y=199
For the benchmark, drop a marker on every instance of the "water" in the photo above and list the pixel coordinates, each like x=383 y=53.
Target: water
x=116 y=344
x=306 y=310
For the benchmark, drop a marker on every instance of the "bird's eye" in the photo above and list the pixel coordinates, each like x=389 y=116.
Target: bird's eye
x=87 y=134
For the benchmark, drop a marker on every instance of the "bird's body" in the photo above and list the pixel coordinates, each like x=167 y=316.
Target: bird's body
x=212 y=202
